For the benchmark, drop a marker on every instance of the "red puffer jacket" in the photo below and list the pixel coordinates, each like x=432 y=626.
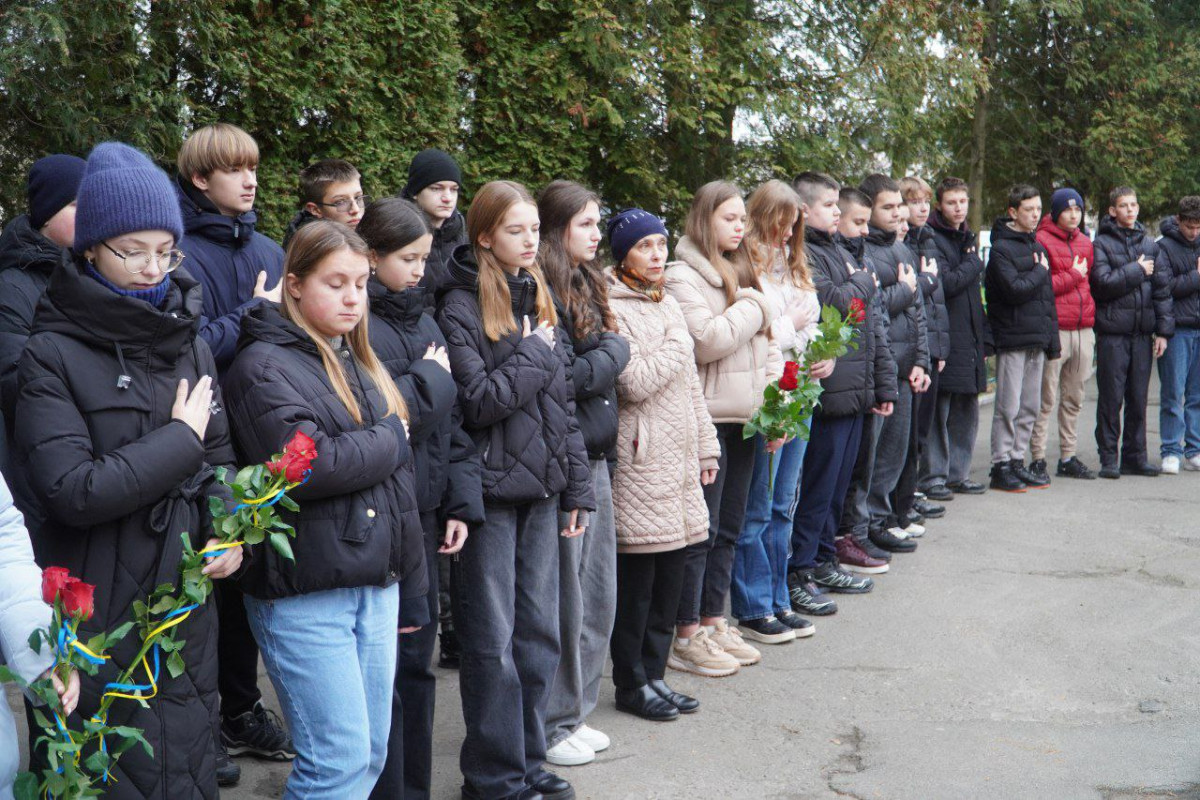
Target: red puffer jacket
x=1072 y=296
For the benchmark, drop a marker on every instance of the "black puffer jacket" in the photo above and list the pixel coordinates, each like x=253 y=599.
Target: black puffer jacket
x=937 y=321
x=866 y=375
x=596 y=361
x=26 y=261
x=446 y=464
x=358 y=523
x=907 y=333
x=1020 y=308
x=518 y=404
x=298 y=221
x=452 y=235
x=1176 y=260
x=1129 y=302
x=119 y=481
x=960 y=269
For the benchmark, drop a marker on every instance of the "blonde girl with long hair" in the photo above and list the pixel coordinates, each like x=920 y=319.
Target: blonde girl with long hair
x=326 y=622
x=506 y=354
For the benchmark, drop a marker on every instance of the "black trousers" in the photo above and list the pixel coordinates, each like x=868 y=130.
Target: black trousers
x=648 y=587
x=923 y=408
x=408 y=772
x=237 y=652
x=1123 y=365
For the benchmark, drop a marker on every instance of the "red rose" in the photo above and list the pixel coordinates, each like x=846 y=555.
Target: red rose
x=790 y=379
x=77 y=599
x=53 y=580
x=858 y=311
x=302 y=446
x=296 y=459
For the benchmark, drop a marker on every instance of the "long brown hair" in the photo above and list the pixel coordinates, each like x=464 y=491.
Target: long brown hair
x=311 y=245
x=735 y=270
x=581 y=288
x=484 y=218
x=769 y=210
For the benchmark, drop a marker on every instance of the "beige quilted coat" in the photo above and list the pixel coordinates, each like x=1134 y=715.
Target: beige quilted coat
x=665 y=437
x=735 y=356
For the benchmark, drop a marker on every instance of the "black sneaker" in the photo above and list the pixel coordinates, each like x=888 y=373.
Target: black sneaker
x=1038 y=469
x=799 y=624
x=258 y=732
x=1109 y=471
x=967 y=486
x=928 y=509
x=1074 y=468
x=870 y=549
x=939 y=492
x=1145 y=469
x=767 y=630
x=228 y=772
x=1003 y=479
x=1028 y=476
x=890 y=542
x=830 y=577
x=807 y=598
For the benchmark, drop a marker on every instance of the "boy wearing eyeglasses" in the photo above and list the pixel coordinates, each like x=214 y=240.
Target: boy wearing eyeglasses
x=237 y=266
x=238 y=269
x=332 y=189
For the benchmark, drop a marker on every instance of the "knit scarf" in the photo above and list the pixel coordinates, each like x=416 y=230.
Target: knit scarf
x=640 y=285
x=154 y=295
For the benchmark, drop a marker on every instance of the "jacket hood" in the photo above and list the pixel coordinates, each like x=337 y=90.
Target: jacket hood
x=80 y=307
x=266 y=323
x=464 y=274
x=963 y=231
x=1051 y=228
x=1169 y=228
x=879 y=236
x=1108 y=225
x=298 y=221
x=22 y=247
x=201 y=217
x=404 y=307
x=818 y=238
x=687 y=252
x=852 y=246
x=1002 y=230
x=618 y=290
x=451 y=229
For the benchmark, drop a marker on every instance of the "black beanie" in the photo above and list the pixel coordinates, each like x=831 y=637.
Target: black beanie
x=53 y=184
x=431 y=166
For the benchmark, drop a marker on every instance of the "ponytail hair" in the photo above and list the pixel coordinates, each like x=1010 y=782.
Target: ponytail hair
x=311 y=245
x=484 y=218
x=735 y=270
x=581 y=288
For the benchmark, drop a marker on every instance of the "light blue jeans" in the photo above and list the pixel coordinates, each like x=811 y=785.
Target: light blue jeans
x=332 y=658
x=1179 y=411
x=760 y=560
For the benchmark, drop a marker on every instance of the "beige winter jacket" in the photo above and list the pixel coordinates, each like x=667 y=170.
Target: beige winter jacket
x=665 y=436
x=735 y=357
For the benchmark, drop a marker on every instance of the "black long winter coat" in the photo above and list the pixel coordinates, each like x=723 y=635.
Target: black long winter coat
x=1129 y=302
x=516 y=395
x=1021 y=309
x=118 y=482
x=960 y=270
x=907 y=332
x=27 y=259
x=866 y=375
x=596 y=362
x=1176 y=260
x=937 y=321
x=444 y=458
x=358 y=523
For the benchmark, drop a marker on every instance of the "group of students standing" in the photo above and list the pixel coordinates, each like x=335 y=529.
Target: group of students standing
x=542 y=455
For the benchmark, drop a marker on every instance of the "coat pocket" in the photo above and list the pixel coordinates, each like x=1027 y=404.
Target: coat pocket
x=363 y=517
x=641 y=441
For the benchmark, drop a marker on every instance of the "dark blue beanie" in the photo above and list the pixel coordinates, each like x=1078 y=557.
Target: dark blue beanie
x=1062 y=199
x=629 y=227
x=53 y=182
x=122 y=192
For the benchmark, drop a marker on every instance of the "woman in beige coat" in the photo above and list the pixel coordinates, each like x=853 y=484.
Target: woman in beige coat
x=666 y=448
x=729 y=319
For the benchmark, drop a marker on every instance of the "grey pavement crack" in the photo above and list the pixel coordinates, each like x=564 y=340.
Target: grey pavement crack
x=847 y=763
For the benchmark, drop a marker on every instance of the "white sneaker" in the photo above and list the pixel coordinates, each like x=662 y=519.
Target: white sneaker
x=915 y=530
x=1192 y=464
x=899 y=533
x=1170 y=465
x=570 y=752
x=592 y=738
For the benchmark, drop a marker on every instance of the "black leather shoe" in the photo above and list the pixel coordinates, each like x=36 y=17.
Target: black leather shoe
x=1110 y=472
x=930 y=510
x=1144 y=469
x=939 y=492
x=966 y=487
x=685 y=704
x=528 y=793
x=646 y=703
x=551 y=787
x=1029 y=476
x=531 y=794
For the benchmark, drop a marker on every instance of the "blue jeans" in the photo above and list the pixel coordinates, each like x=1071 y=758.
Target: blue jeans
x=332 y=658
x=1179 y=412
x=760 y=561
x=824 y=480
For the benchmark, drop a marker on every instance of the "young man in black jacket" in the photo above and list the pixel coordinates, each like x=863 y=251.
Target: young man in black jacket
x=863 y=383
x=1134 y=318
x=434 y=181
x=1024 y=324
x=1179 y=368
x=332 y=189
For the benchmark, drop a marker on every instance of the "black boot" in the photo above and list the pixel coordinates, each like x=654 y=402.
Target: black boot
x=1004 y=480
x=1028 y=476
